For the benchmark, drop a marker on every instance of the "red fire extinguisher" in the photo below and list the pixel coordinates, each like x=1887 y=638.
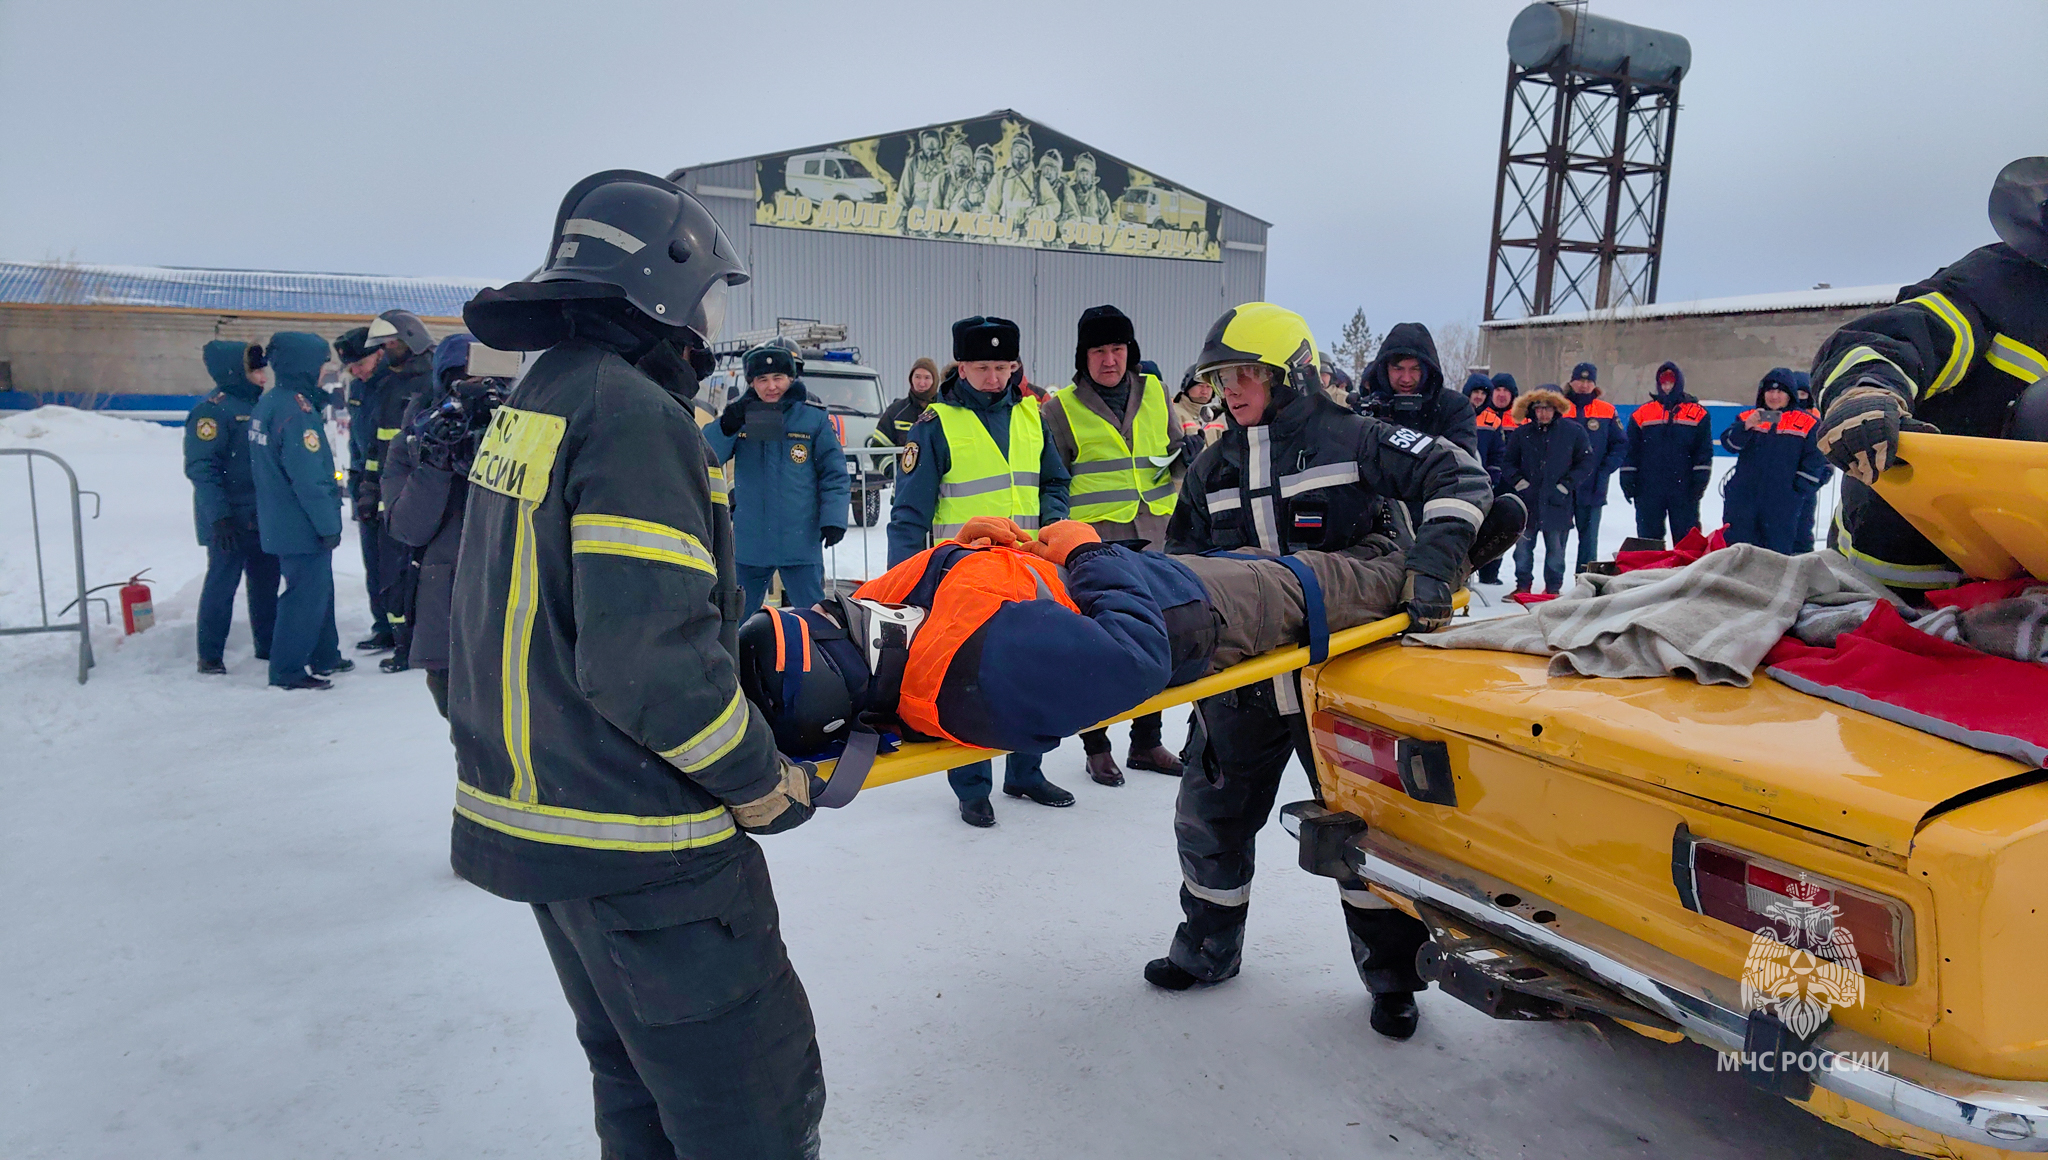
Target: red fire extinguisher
x=137 y=612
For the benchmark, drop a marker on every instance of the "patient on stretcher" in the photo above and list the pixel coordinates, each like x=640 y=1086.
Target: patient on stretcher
x=1002 y=641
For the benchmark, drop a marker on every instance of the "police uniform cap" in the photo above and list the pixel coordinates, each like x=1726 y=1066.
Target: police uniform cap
x=987 y=339
x=768 y=360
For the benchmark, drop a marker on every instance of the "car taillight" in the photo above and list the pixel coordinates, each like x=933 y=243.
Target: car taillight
x=1752 y=892
x=1420 y=769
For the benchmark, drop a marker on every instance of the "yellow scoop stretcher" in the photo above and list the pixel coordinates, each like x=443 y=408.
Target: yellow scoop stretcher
x=917 y=758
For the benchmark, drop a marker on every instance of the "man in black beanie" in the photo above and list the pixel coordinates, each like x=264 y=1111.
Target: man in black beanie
x=981 y=450
x=1113 y=429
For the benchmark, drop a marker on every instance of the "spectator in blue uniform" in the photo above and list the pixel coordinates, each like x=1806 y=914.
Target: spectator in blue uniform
x=224 y=502
x=298 y=511
x=789 y=487
x=1778 y=467
x=1597 y=418
x=1670 y=458
x=1803 y=533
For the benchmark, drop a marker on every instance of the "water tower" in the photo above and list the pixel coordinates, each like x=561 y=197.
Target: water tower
x=1585 y=162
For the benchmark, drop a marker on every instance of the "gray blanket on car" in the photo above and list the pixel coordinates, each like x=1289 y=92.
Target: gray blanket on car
x=1713 y=619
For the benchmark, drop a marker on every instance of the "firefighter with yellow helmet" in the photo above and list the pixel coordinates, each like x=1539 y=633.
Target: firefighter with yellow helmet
x=1296 y=471
x=1115 y=430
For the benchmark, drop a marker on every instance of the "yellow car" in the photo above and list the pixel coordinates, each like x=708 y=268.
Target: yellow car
x=1598 y=847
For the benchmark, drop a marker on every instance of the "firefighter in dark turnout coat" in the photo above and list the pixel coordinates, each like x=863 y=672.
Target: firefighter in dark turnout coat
x=1954 y=355
x=1295 y=471
x=611 y=773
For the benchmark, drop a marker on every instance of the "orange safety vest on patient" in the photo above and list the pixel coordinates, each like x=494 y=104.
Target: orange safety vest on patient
x=975 y=585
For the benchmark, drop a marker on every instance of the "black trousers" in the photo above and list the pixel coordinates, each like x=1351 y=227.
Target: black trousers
x=699 y=1034
x=398 y=581
x=1145 y=733
x=1236 y=755
x=370 y=536
x=225 y=568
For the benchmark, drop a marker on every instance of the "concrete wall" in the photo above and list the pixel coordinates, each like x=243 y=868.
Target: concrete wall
x=1723 y=355
x=117 y=350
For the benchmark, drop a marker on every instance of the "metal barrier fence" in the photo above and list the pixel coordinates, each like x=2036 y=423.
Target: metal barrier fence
x=82 y=628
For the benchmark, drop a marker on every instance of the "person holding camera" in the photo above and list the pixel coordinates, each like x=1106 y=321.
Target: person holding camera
x=790 y=491
x=1778 y=466
x=425 y=487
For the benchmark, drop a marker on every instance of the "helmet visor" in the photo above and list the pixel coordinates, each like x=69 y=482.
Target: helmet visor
x=711 y=311
x=1227 y=376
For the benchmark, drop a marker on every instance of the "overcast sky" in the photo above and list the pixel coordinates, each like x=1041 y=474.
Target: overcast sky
x=1840 y=142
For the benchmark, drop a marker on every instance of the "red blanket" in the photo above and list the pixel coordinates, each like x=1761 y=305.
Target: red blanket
x=1890 y=669
x=1684 y=552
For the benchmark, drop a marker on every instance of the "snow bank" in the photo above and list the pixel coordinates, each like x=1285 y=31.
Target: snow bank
x=49 y=427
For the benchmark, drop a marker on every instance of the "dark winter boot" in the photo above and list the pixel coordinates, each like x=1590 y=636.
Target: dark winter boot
x=344 y=665
x=978 y=813
x=1044 y=793
x=1394 y=1014
x=1103 y=771
x=377 y=641
x=1167 y=975
x=1158 y=759
x=212 y=668
x=1497 y=533
x=303 y=681
x=393 y=664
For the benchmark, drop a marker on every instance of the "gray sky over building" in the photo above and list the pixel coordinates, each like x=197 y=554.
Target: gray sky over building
x=1840 y=142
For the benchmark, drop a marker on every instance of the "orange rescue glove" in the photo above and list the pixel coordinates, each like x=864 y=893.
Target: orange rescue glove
x=1055 y=542
x=984 y=531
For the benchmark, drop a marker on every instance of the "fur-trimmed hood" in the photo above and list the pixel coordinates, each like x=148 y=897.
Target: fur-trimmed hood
x=1543 y=394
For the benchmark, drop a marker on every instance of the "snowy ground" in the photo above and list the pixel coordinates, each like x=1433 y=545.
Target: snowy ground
x=231 y=931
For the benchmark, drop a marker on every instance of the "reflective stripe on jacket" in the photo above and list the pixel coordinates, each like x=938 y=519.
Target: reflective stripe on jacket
x=1111 y=478
x=982 y=482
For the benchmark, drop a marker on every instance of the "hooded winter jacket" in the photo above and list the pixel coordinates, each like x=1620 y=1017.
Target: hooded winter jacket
x=1433 y=409
x=1776 y=469
x=298 y=502
x=784 y=490
x=217 y=443
x=1604 y=434
x=1546 y=462
x=1670 y=445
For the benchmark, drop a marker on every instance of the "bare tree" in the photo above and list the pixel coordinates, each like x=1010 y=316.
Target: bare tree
x=1354 y=349
x=1457 y=350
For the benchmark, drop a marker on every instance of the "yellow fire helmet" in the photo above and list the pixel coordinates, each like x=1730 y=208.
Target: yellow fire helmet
x=1261 y=332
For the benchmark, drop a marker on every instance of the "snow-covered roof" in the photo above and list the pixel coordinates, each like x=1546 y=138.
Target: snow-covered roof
x=1827 y=298
x=238 y=291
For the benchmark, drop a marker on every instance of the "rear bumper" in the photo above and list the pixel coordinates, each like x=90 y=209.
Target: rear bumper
x=2011 y=1114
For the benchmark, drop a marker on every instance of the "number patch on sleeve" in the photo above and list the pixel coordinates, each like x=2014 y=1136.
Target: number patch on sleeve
x=1406 y=439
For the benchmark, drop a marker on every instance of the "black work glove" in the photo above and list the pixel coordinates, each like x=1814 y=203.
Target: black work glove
x=785 y=807
x=1428 y=602
x=831 y=535
x=734 y=416
x=226 y=536
x=1628 y=491
x=1860 y=432
x=367 y=496
x=330 y=542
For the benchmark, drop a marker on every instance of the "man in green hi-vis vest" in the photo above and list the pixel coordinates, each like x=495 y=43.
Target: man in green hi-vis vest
x=980 y=450
x=1114 y=430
